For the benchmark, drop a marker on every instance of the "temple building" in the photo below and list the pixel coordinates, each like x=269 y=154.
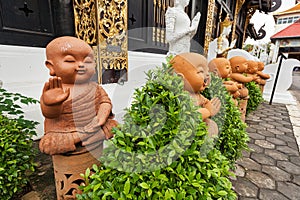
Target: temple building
x=287 y=36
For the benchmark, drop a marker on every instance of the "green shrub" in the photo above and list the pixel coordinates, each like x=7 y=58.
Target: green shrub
x=255 y=97
x=16 y=149
x=233 y=138
x=161 y=151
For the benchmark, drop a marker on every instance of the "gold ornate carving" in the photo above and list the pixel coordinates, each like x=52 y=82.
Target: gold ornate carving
x=209 y=24
x=85 y=20
x=103 y=24
x=159 y=9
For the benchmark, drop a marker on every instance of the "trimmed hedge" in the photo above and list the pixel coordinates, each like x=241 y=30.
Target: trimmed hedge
x=232 y=138
x=16 y=145
x=161 y=151
x=255 y=97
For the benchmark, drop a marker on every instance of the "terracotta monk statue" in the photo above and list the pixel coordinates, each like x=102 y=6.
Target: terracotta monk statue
x=262 y=77
x=78 y=113
x=252 y=70
x=179 y=28
x=221 y=67
x=239 y=67
x=192 y=67
x=219 y=47
x=76 y=110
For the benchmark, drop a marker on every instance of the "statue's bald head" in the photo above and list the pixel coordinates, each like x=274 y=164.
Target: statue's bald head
x=193 y=68
x=63 y=44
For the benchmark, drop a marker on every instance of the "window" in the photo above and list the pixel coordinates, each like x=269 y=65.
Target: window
x=284 y=20
x=296 y=18
x=279 y=21
x=290 y=20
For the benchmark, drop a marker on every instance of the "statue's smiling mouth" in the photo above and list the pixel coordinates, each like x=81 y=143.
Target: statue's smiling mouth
x=81 y=71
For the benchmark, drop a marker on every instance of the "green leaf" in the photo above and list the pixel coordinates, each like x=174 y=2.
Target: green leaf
x=222 y=193
x=144 y=185
x=127 y=187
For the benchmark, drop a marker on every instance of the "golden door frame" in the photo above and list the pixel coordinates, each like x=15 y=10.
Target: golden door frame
x=103 y=25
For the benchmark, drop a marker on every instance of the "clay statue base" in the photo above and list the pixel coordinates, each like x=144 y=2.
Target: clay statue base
x=262 y=88
x=243 y=108
x=67 y=170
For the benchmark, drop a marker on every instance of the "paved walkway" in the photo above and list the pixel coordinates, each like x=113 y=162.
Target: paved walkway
x=271 y=171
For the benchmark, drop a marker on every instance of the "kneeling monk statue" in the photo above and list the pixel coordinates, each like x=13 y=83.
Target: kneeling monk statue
x=193 y=69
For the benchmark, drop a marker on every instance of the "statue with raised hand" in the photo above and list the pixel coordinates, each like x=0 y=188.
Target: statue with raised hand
x=77 y=111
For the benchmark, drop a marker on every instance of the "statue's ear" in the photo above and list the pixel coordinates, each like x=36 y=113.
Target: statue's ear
x=181 y=75
x=49 y=65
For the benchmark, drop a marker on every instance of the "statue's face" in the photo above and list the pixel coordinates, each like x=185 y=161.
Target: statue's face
x=73 y=61
x=194 y=69
x=239 y=64
x=252 y=67
x=224 y=68
x=221 y=67
x=261 y=66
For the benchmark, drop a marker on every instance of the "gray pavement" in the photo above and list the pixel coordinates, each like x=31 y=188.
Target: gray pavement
x=271 y=170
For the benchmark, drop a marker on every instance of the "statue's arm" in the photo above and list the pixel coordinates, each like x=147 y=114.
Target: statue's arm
x=103 y=113
x=263 y=75
x=241 y=78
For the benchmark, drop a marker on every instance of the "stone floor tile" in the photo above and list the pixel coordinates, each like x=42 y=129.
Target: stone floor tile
x=293 y=145
x=265 y=144
x=289 y=167
x=289 y=189
x=246 y=154
x=261 y=180
x=256 y=136
x=249 y=164
x=239 y=171
x=287 y=150
x=267 y=125
x=276 y=173
x=266 y=133
x=262 y=158
x=275 y=131
x=266 y=194
x=296 y=179
x=276 y=141
x=283 y=129
x=251 y=130
x=269 y=120
x=286 y=138
x=295 y=160
x=259 y=127
x=245 y=188
x=277 y=155
x=256 y=148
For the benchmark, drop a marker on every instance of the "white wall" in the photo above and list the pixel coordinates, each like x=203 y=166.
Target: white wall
x=22 y=70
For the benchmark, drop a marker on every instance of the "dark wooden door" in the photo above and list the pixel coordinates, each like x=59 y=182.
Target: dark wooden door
x=34 y=22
